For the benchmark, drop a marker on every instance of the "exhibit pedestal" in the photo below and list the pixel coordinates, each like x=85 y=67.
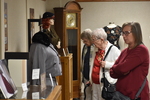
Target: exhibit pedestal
x=66 y=80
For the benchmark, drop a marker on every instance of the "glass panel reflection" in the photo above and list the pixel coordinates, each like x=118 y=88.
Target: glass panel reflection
x=72 y=47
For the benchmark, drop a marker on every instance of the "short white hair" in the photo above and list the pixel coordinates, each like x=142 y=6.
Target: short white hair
x=88 y=30
x=100 y=33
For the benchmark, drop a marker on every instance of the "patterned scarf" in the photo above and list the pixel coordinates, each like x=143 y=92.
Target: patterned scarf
x=100 y=55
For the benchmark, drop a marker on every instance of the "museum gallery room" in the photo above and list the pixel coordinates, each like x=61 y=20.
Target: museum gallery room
x=42 y=51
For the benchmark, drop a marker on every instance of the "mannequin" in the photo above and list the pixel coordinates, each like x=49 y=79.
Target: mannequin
x=48 y=28
x=44 y=56
x=113 y=33
x=111 y=25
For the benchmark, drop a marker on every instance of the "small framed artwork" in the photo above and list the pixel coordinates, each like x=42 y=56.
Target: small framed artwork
x=29 y=30
x=6 y=26
x=32 y=23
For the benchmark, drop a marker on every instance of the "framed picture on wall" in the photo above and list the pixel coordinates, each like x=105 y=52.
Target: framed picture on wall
x=32 y=23
x=6 y=26
x=29 y=30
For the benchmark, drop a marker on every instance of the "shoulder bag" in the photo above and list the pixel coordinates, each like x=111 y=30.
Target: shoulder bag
x=119 y=96
x=108 y=88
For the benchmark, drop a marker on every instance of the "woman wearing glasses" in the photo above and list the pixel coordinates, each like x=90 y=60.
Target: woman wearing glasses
x=131 y=68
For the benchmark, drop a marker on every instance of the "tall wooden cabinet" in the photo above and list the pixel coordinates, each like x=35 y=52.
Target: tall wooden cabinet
x=66 y=79
x=67 y=26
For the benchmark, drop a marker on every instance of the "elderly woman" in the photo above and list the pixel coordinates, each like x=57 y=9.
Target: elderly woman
x=86 y=55
x=131 y=68
x=99 y=38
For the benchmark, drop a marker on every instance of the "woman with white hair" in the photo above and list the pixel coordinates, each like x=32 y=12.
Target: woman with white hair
x=99 y=38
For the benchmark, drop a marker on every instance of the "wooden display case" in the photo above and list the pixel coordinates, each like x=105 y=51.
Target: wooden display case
x=108 y=0
x=50 y=94
x=66 y=80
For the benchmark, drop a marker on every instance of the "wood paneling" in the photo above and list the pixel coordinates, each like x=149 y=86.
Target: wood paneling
x=66 y=79
x=108 y=0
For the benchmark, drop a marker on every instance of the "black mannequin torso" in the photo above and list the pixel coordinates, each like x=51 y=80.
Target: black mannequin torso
x=113 y=33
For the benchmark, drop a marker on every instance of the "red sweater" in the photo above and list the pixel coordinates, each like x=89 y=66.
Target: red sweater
x=131 y=68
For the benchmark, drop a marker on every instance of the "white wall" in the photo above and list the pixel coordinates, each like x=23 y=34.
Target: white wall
x=1 y=28
x=101 y=13
x=18 y=71
x=18 y=15
x=17 y=25
x=55 y=3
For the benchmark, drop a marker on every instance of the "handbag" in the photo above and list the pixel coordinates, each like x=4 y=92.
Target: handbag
x=108 y=88
x=119 y=96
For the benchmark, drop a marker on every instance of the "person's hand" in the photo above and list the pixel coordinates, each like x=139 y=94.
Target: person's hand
x=103 y=64
x=88 y=83
x=58 y=45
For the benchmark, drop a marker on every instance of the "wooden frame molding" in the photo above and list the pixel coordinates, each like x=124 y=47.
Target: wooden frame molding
x=107 y=0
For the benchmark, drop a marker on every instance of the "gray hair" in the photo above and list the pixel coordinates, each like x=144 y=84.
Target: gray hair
x=86 y=34
x=99 y=33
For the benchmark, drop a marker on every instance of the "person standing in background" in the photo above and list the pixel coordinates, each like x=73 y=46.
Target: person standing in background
x=86 y=58
x=99 y=38
x=131 y=68
x=48 y=28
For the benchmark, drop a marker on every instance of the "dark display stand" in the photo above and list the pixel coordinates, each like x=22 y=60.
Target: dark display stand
x=18 y=55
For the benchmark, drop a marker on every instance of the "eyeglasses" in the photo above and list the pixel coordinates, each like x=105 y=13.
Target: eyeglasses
x=95 y=39
x=125 y=33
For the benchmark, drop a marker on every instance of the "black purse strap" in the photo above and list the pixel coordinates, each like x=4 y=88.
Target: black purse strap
x=140 y=90
x=107 y=52
x=105 y=58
